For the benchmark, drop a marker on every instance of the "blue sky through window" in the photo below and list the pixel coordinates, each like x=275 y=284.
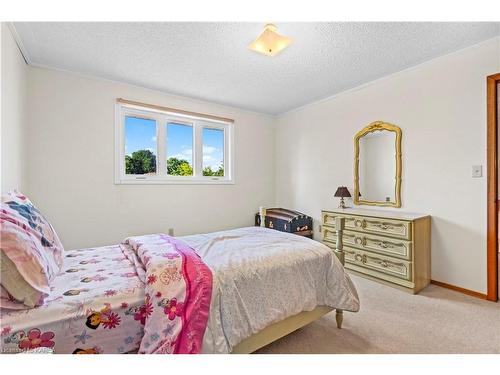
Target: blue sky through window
x=213 y=147
x=140 y=134
x=180 y=142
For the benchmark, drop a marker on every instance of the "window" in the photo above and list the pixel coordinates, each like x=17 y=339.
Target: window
x=140 y=146
x=160 y=147
x=213 y=152
x=179 y=149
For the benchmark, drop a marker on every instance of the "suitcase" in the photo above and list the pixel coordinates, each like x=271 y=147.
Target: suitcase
x=288 y=221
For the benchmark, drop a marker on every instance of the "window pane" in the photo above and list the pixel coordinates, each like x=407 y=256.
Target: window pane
x=179 y=149
x=213 y=152
x=140 y=146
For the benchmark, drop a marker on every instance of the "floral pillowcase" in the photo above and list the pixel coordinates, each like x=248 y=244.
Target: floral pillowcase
x=31 y=250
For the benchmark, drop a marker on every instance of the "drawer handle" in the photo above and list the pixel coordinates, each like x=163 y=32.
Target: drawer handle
x=360 y=258
x=386 y=263
x=383 y=226
x=385 y=245
x=360 y=223
x=358 y=241
x=389 y=226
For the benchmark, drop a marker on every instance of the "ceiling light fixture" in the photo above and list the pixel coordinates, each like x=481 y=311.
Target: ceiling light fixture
x=270 y=43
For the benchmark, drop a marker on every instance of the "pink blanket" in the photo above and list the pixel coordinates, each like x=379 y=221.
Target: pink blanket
x=178 y=293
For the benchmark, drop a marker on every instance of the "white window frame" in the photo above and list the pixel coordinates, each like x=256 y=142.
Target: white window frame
x=162 y=119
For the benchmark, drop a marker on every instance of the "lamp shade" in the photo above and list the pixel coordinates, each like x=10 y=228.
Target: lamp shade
x=270 y=43
x=342 y=192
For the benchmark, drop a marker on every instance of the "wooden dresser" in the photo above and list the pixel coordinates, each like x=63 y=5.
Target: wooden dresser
x=390 y=247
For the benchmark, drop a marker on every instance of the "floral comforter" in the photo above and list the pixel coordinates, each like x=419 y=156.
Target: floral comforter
x=151 y=293
x=178 y=289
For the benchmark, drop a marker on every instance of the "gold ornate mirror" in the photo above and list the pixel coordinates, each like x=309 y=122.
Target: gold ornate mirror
x=377 y=165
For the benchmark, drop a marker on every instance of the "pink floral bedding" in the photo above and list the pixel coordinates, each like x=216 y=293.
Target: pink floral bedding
x=92 y=308
x=31 y=244
x=178 y=289
x=151 y=294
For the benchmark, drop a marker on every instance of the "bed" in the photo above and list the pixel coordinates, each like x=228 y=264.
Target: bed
x=265 y=285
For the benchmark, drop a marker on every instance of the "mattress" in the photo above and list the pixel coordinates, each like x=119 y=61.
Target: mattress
x=260 y=276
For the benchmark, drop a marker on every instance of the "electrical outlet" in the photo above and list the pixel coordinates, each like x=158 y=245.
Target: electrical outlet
x=477 y=171
x=170 y=231
x=319 y=228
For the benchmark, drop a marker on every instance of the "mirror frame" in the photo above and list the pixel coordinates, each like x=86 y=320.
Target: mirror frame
x=376 y=126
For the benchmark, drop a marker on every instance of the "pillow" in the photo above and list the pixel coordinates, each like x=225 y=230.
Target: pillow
x=9 y=302
x=32 y=246
x=18 y=289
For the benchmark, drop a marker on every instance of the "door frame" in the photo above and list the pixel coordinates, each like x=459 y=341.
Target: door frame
x=492 y=186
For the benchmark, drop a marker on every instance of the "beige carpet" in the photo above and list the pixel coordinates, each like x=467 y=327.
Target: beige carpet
x=437 y=320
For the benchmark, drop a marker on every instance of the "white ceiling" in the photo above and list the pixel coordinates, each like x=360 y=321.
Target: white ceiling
x=211 y=61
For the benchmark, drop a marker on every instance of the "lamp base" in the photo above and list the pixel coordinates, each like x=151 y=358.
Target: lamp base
x=342 y=203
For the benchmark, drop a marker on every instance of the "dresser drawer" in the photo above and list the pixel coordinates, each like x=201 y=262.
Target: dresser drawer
x=379 y=244
x=328 y=218
x=386 y=227
x=329 y=235
x=381 y=264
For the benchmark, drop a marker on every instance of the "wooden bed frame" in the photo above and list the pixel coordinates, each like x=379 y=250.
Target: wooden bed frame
x=293 y=323
x=283 y=328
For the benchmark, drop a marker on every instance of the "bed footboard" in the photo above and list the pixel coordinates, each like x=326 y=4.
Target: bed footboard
x=280 y=329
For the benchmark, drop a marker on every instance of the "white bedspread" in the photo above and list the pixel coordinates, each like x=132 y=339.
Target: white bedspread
x=262 y=276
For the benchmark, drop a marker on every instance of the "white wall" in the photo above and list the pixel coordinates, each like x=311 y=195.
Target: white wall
x=13 y=109
x=71 y=158
x=441 y=109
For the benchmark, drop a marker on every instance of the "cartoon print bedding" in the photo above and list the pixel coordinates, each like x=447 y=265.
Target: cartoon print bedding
x=178 y=289
x=154 y=294
x=151 y=294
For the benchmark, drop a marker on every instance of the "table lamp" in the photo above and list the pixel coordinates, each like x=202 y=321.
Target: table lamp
x=342 y=192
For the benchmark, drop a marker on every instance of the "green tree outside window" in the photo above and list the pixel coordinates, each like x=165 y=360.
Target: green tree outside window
x=144 y=162
x=140 y=162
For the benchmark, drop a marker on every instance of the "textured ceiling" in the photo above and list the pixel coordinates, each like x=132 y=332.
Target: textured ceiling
x=211 y=61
